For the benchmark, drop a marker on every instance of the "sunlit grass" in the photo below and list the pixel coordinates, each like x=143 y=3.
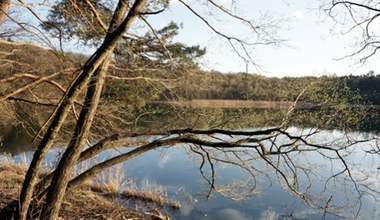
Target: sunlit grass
x=103 y=193
x=149 y=192
x=109 y=181
x=112 y=182
x=79 y=202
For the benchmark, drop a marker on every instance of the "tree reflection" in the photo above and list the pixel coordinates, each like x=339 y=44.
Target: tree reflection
x=332 y=171
x=323 y=168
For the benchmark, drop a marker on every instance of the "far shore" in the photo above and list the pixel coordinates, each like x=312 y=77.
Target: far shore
x=229 y=103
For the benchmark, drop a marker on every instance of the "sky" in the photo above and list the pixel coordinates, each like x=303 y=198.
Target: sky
x=310 y=47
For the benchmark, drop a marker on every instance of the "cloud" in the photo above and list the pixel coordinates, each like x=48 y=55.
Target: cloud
x=299 y=14
x=269 y=214
x=232 y=214
x=164 y=159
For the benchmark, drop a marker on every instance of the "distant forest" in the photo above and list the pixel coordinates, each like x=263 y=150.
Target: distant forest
x=130 y=89
x=242 y=86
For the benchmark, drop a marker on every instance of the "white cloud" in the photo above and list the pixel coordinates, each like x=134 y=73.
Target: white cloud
x=269 y=214
x=164 y=159
x=299 y=14
x=232 y=214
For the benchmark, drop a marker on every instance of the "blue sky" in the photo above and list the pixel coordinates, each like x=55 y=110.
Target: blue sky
x=310 y=47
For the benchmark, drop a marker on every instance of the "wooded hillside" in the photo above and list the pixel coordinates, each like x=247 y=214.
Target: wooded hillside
x=164 y=85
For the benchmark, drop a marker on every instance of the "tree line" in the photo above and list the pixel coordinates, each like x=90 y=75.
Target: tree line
x=242 y=86
x=134 y=89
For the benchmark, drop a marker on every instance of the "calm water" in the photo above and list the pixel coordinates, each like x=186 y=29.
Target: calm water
x=324 y=186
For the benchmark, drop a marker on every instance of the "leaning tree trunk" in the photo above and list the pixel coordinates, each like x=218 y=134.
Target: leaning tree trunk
x=62 y=174
x=59 y=117
x=4 y=6
x=65 y=167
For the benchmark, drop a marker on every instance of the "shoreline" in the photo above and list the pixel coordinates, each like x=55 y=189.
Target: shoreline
x=89 y=201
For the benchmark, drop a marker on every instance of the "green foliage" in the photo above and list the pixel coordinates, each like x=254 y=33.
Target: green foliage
x=242 y=86
x=333 y=105
x=74 y=19
x=332 y=91
x=368 y=86
x=156 y=47
x=325 y=90
x=130 y=95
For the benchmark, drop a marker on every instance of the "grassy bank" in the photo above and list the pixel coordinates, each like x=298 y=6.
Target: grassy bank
x=90 y=201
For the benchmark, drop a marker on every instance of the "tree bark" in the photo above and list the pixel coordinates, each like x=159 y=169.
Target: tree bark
x=4 y=6
x=57 y=188
x=46 y=142
x=102 y=145
x=66 y=165
x=59 y=117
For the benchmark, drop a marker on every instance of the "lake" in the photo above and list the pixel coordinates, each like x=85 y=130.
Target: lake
x=322 y=187
x=333 y=172
x=306 y=184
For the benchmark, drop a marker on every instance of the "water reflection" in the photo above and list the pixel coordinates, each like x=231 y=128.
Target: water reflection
x=335 y=175
x=349 y=118
x=16 y=139
x=321 y=183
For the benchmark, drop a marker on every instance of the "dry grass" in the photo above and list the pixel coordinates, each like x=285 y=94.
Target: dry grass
x=86 y=204
x=11 y=178
x=151 y=193
x=79 y=203
x=111 y=180
x=112 y=183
